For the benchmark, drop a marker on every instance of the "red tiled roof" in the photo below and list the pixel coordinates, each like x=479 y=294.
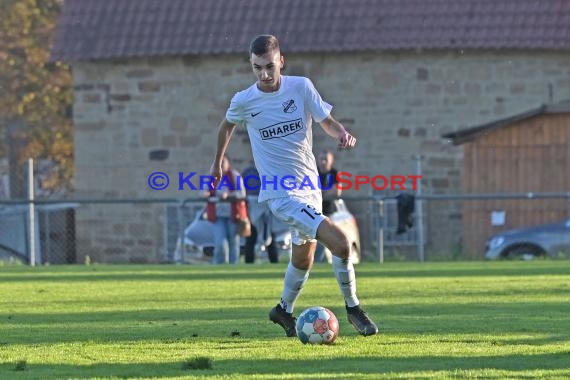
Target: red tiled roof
x=100 y=29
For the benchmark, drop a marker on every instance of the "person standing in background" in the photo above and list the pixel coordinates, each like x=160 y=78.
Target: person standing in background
x=226 y=237
x=329 y=190
x=261 y=219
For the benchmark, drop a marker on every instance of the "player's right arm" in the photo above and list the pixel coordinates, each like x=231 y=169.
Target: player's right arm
x=234 y=116
x=225 y=131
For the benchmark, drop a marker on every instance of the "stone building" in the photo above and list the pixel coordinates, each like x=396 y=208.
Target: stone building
x=153 y=80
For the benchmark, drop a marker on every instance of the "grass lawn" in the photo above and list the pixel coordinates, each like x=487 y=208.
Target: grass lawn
x=437 y=320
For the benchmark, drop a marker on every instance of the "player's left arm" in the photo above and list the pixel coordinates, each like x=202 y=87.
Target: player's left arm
x=337 y=131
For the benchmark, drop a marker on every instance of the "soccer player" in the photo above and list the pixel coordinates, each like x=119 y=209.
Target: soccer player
x=277 y=111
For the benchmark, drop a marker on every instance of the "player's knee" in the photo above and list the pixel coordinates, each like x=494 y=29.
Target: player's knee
x=303 y=265
x=301 y=257
x=302 y=262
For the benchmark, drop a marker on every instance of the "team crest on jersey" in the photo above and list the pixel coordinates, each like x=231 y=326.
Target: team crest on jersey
x=281 y=129
x=289 y=106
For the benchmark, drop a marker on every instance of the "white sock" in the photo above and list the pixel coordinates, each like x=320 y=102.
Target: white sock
x=344 y=272
x=294 y=281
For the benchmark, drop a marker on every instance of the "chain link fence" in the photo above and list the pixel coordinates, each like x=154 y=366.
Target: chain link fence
x=55 y=233
x=39 y=230
x=152 y=230
x=50 y=232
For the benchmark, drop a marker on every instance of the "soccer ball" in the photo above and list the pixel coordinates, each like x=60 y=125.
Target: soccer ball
x=317 y=325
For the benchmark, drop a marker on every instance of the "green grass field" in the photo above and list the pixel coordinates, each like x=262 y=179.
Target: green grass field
x=438 y=320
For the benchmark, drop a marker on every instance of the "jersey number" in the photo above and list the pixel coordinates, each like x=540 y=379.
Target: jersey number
x=310 y=211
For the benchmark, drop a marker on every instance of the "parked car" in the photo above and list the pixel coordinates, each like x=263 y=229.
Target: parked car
x=198 y=247
x=198 y=244
x=544 y=240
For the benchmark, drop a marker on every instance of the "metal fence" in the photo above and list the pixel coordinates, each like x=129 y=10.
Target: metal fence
x=54 y=237
x=151 y=230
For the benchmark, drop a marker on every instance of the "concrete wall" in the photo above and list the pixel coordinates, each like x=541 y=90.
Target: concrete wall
x=397 y=104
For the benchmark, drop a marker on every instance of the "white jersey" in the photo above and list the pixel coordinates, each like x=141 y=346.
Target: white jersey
x=279 y=128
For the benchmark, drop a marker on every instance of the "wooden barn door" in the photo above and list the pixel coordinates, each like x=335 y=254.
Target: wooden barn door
x=529 y=156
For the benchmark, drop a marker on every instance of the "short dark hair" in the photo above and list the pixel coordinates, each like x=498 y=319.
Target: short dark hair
x=263 y=44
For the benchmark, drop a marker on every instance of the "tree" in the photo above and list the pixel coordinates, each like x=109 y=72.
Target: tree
x=35 y=92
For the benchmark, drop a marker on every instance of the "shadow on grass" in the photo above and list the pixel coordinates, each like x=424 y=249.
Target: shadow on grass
x=153 y=324
x=337 y=367
x=59 y=274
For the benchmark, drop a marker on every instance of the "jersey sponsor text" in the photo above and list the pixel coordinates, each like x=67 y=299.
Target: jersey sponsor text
x=281 y=129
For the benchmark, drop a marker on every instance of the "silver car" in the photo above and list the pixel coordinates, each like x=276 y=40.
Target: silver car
x=198 y=244
x=545 y=240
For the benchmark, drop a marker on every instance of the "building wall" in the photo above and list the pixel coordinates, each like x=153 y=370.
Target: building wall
x=527 y=156
x=397 y=104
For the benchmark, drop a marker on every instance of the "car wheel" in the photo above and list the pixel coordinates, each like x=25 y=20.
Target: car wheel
x=209 y=251
x=525 y=252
